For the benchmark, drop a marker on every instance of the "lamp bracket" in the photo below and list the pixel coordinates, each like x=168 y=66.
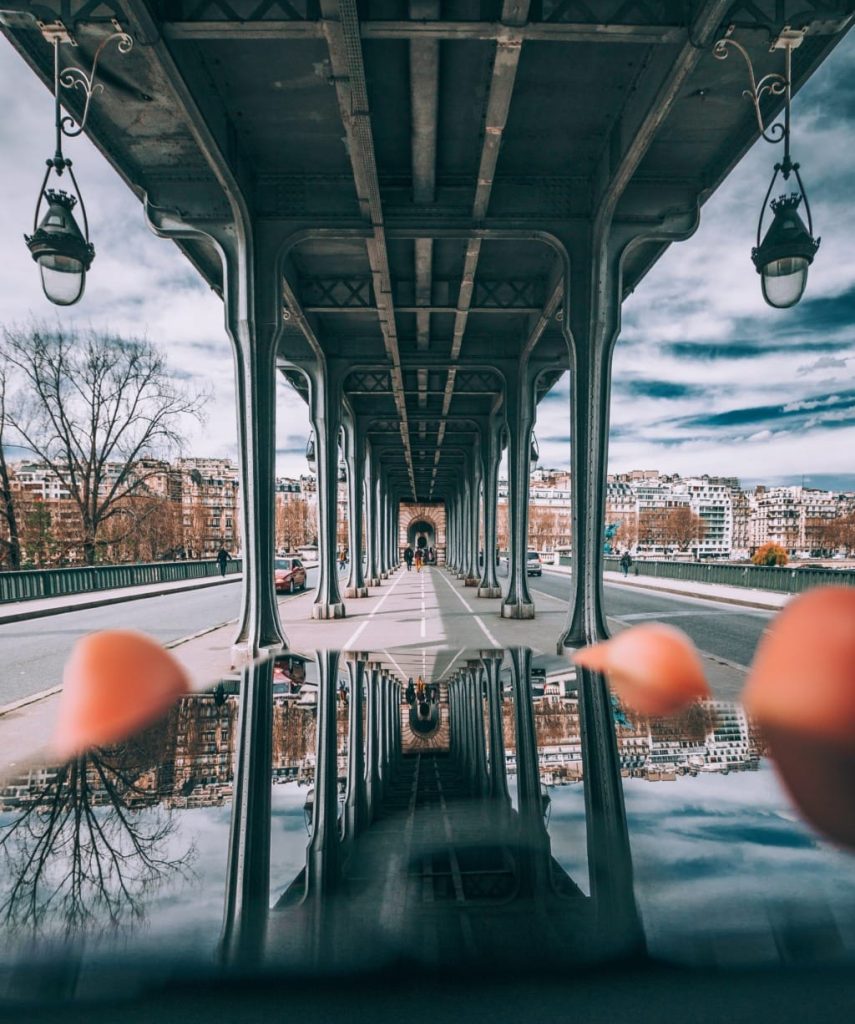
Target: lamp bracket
x=774 y=83
x=76 y=78
x=788 y=39
x=56 y=32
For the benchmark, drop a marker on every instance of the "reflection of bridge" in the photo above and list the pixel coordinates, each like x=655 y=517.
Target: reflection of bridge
x=428 y=858
x=503 y=184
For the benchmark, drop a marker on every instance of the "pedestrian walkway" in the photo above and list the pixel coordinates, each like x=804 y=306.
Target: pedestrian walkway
x=746 y=596
x=21 y=611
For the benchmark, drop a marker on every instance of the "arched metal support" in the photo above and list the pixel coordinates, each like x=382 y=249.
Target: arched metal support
x=248 y=869
x=490 y=457
x=323 y=855
x=519 y=406
x=253 y=319
x=592 y=327
x=354 y=457
x=325 y=396
x=371 y=526
x=473 y=521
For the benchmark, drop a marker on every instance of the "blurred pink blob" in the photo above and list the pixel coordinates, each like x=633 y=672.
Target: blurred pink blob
x=114 y=683
x=654 y=668
x=801 y=691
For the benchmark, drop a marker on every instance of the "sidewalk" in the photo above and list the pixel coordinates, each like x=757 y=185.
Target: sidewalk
x=748 y=597
x=18 y=611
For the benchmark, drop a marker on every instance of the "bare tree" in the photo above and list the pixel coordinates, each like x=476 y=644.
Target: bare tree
x=683 y=527
x=88 y=844
x=9 y=535
x=542 y=527
x=295 y=523
x=91 y=407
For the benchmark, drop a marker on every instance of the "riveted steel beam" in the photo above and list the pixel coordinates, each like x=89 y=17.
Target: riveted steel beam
x=485 y=31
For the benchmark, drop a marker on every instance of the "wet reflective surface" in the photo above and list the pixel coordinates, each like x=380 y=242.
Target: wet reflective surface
x=319 y=814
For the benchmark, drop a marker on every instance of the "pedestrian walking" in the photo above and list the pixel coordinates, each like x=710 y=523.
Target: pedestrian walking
x=625 y=563
x=408 y=557
x=223 y=559
x=418 y=559
x=342 y=560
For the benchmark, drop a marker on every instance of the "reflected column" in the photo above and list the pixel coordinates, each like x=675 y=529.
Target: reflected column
x=492 y=662
x=534 y=842
x=356 y=802
x=479 y=767
x=372 y=753
x=248 y=869
x=322 y=862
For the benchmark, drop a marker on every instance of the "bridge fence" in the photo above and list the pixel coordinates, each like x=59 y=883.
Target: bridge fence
x=784 y=579
x=31 y=584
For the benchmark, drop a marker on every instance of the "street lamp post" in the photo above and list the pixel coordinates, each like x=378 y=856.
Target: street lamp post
x=785 y=253
x=63 y=252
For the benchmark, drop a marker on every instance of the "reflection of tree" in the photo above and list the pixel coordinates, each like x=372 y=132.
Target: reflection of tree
x=89 y=844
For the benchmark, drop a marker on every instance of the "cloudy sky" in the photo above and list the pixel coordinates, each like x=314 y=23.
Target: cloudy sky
x=707 y=378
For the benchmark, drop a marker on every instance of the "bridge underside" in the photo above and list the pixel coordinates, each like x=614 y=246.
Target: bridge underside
x=423 y=214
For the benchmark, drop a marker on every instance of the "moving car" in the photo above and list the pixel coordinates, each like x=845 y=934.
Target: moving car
x=533 y=565
x=289 y=575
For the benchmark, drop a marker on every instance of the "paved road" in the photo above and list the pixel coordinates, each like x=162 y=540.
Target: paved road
x=729 y=632
x=32 y=653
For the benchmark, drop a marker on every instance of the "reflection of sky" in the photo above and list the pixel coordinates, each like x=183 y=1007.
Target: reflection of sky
x=288 y=837
x=724 y=869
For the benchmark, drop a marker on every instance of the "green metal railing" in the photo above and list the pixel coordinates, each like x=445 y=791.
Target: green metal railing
x=784 y=579
x=30 y=584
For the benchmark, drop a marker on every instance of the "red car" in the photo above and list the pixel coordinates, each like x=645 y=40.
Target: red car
x=289 y=575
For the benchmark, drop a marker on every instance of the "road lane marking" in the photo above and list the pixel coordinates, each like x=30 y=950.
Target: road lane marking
x=471 y=611
x=551 y=597
x=395 y=663
x=657 y=616
x=371 y=614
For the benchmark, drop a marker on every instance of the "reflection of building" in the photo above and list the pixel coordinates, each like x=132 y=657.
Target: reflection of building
x=710 y=736
x=188 y=759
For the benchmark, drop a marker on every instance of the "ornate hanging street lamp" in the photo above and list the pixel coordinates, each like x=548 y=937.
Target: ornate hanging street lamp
x=785 y=253
x=63 y=252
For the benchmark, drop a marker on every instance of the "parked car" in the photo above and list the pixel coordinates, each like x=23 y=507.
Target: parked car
x=534 y=567
x=289 y=575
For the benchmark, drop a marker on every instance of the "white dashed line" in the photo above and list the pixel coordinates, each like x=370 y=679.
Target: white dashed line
x=471 y=610
x=349 y=643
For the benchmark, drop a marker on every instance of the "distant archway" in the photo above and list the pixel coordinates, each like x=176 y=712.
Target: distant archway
x=425 y=522
x=421 y=533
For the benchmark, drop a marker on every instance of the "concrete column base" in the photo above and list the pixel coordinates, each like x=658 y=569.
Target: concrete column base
x=356 y=591
x=470 y=581
x=384 y=575
x=460 y=575
x=328 y=611
x=489 y=591
x=518 y=611
x=374 y=581
x=240 y=654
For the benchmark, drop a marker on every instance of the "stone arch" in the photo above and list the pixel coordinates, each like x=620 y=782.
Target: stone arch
x=425 y=523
